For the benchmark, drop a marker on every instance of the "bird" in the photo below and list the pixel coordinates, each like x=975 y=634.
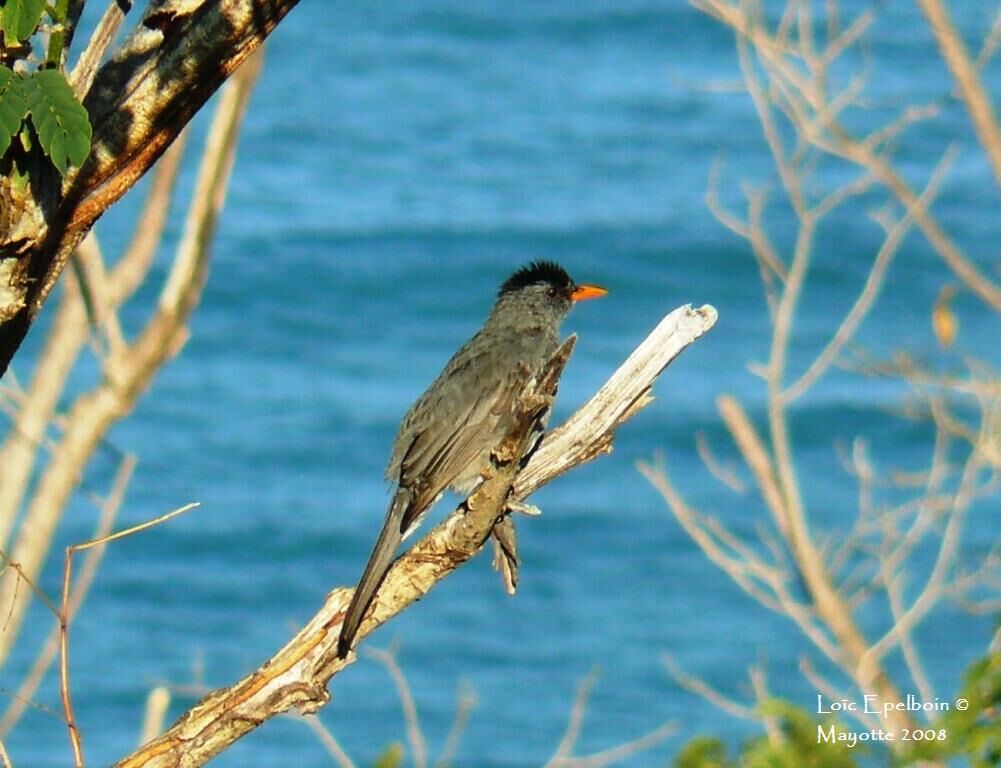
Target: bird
x=445 y=439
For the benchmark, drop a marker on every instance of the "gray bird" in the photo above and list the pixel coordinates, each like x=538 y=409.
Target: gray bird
x=446 y=437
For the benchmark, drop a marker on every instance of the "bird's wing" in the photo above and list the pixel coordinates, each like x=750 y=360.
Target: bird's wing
x=464 y=428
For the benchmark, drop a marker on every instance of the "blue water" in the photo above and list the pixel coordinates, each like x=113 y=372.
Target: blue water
x=397 y=163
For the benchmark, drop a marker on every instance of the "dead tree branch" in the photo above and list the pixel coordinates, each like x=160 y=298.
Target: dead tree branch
x=297 y=675
x=129 y=368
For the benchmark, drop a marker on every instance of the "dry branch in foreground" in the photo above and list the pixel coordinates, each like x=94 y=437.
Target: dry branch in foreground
x=295 y=678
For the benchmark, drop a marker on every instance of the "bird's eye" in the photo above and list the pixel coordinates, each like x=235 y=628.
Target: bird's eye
x=553 y=292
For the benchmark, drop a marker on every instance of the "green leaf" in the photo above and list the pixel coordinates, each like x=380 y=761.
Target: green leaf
x=391 y=758
x=19 y=18
x=60 y=120
x=13 y=107
x=703 y=752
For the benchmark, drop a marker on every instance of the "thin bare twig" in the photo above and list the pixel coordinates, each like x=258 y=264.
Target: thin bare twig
x=327 y=739
x=155 y=713
x=873 y=283
x=64 y=617
x=564 y=757
x=564 y=750
x=700 y=687
x=43 y=660
x=418 y=747
x=465 y=703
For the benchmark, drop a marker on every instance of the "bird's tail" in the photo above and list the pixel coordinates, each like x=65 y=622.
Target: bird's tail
x=375 y=570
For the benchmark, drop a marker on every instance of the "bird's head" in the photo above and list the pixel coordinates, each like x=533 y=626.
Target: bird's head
x=545 y=288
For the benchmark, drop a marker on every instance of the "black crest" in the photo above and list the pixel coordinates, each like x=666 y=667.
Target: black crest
x=538 y=272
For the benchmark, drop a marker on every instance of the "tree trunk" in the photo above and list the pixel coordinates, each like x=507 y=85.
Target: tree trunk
x=139 y=102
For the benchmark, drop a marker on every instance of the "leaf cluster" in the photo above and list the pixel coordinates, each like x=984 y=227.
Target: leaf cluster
x=37 y=102
x=794 y=745
x=974 y=734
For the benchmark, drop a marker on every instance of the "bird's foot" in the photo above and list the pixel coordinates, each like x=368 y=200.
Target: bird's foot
x=506 y=553
x=522 y=508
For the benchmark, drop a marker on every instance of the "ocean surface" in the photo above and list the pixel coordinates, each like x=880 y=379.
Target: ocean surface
x=398 y=161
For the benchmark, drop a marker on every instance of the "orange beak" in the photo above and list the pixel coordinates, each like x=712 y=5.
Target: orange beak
x=583 y=292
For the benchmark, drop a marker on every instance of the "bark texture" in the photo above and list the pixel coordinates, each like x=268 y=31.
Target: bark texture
x=140 y=100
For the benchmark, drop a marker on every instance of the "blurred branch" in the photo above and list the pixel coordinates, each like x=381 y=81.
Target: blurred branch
x=333 y=747
x=466 y=702
x=418 y=747
x=702 y=689
x=85 y=70
x=971 y=90
x=795 y=74
x=564 y=757
x=155 y=713
x=801 y=93
x=873 y=283
x=47 y=654
x=129 y=368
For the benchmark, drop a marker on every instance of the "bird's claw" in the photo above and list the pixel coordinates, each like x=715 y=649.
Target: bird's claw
x=522 y=508
x=506 y=553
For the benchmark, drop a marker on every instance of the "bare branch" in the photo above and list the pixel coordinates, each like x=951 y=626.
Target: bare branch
x=157 y=703
x=47 y=653
x=974 y=96
x=725 y=474
x=83 y=73
x=333 y=747
x=588 y=433
x=387 y=657
x=97 y=544
x=465 y=703
x=130 y=372
x=564 y=750
x=873 y=283
x=700 y=687
x=564 y=757
x=296 y=676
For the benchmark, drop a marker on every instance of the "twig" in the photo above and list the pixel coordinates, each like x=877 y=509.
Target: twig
x=758 y=460
x=564 y=757
x=873 y=283
x=83 y=73
x=564 y=750
x=157 y=704
x=701 y=688
x=725 y=474
x=465 y=703
x=64 y=617
x=622 y=751
x=418 y=748
x=108 y=511
x=333 y=747
x=972 y=92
